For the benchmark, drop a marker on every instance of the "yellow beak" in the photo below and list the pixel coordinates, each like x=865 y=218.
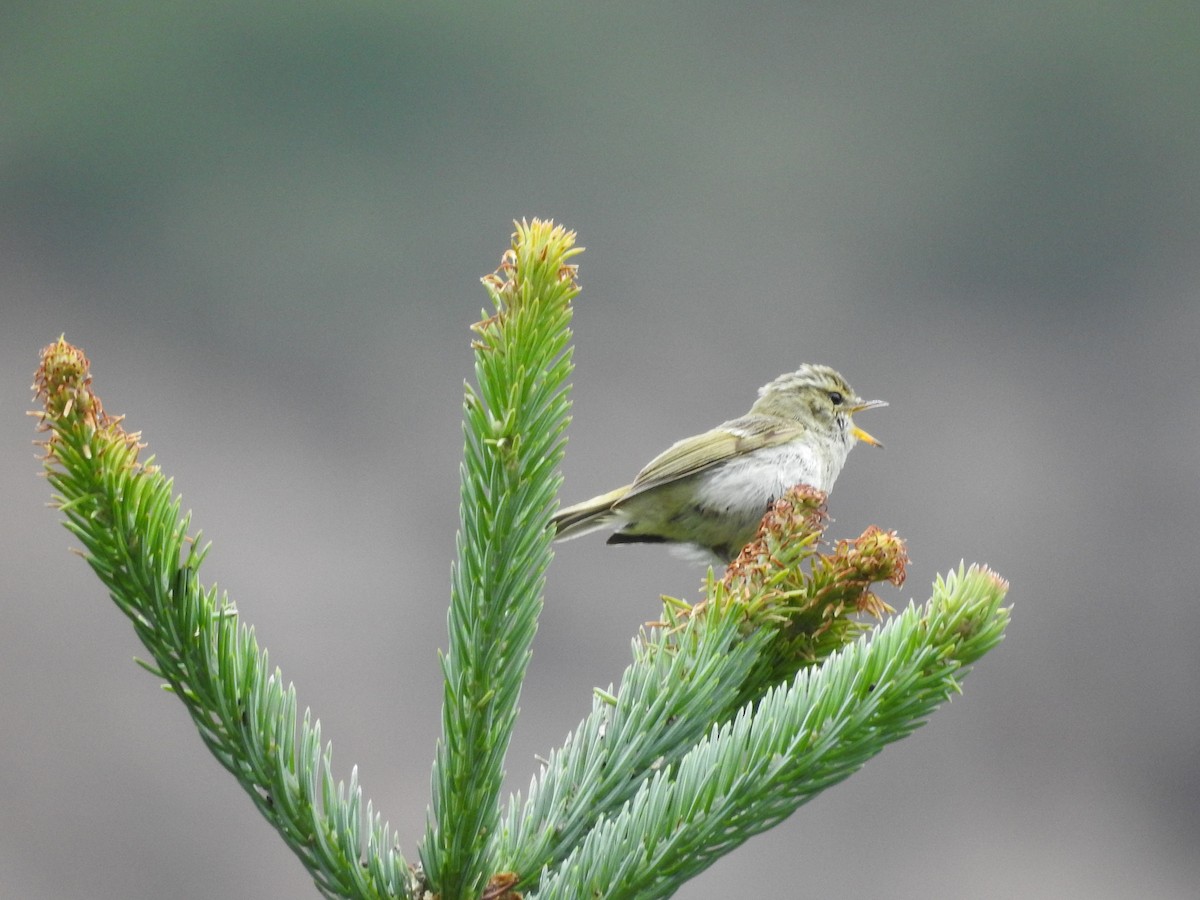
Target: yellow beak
x=858 y=432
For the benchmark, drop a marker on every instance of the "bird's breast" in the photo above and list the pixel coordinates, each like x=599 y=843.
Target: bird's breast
x=754 y=480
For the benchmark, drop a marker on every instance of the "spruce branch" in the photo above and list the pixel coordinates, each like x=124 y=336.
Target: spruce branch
x=750 y=773
x=137 y=542
x=514 y=427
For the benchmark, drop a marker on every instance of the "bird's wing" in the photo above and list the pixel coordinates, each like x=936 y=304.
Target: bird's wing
x=730 y=440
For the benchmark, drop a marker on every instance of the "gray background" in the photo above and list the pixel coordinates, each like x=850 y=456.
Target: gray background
x=266 y=223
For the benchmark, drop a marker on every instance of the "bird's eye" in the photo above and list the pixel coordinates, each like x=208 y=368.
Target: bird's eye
x=836 y=398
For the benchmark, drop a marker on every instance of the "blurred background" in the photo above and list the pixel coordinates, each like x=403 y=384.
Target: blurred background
x=266 y=223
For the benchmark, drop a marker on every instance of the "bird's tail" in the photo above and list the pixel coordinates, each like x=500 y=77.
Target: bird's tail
x=588 y=516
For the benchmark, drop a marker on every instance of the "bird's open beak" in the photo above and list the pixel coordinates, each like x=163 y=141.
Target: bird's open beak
x=858 y=432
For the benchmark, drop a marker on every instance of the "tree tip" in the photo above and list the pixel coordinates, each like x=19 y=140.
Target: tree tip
x=999 y=582
x=535 y=265
x=63 y=384
x=798 y=516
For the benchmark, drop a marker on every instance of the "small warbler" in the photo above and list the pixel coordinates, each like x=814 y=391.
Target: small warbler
x=708 y=493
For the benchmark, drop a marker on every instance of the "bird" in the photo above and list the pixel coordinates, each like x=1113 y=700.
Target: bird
x=705 y=495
